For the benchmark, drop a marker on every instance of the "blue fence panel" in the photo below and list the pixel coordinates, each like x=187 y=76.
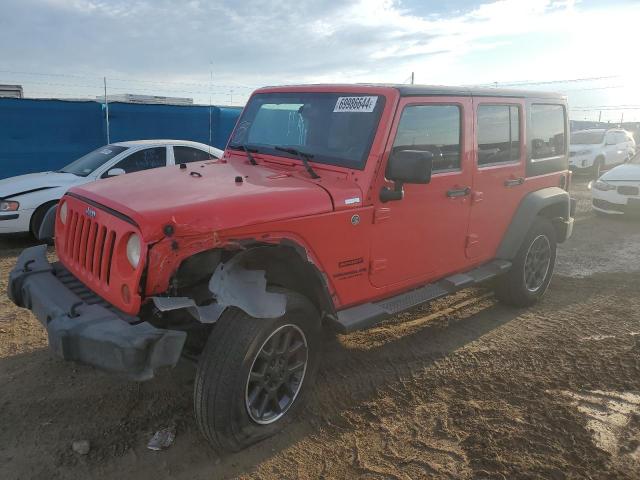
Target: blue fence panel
x=40 y=135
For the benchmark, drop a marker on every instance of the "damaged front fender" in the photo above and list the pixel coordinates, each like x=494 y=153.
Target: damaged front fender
x=232 y=285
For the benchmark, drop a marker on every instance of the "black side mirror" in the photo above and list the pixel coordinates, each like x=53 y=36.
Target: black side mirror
x=406 y=166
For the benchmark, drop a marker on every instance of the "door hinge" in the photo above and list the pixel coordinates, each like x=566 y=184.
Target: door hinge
x=382 y=214
x=472 y=240
x=378 y=264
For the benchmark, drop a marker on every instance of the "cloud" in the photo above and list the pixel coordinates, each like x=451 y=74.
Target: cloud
x=257 y=42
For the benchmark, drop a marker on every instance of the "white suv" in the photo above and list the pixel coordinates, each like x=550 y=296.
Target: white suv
x=598 y=149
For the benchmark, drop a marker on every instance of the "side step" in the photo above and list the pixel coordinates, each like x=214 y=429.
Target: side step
x=368 y=314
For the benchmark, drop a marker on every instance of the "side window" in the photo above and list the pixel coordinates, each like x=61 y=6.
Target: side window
x=144 y=160
x=498 y=134
x=189 y=154
x=547 y=131
x=610 y=138
x=621 y=137
x=433 y=128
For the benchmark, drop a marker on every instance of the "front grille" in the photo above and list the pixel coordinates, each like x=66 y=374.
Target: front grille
x=603 y=204
x=629 y=190
x=89 y=246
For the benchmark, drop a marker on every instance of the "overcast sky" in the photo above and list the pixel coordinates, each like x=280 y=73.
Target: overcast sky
x=64 y=47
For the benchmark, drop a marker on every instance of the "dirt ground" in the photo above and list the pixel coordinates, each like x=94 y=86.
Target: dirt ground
x=463 y=388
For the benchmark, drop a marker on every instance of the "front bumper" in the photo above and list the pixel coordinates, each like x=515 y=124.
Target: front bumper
x=86 y=331
x=630 y=208
x=15 y=222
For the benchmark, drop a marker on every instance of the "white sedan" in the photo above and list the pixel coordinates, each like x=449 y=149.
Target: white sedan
x=25 y=200
x=617 y=192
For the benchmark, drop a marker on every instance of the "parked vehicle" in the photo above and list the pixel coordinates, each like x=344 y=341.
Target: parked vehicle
x=594 y=150
x=333 y=207
x=617 y=192
x=26 y=199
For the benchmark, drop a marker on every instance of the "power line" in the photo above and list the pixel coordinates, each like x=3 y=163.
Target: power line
x=550 y=82
x=135 y=80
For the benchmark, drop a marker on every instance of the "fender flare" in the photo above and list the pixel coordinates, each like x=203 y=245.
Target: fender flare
x=553 y=199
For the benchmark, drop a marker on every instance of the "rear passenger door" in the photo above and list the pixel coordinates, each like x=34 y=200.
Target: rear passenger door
x=498 y=173
x=612 y=149
x=184 y=154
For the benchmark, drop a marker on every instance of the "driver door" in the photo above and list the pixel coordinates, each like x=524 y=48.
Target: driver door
x=423 y=236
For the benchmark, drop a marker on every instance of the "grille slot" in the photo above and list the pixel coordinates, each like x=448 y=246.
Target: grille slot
x=628 y=190
x=89 y=246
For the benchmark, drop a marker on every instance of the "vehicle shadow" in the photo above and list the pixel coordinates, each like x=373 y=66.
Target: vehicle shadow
x=118 y=416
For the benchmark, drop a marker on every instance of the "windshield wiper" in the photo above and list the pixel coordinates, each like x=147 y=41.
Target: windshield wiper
x=246 y=149
x=303 y=157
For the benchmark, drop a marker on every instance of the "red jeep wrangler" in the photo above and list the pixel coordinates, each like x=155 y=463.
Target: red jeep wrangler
x=333 y=206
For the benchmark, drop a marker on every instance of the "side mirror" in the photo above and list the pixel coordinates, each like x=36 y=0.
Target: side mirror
x=406 y=166
x=115 y=172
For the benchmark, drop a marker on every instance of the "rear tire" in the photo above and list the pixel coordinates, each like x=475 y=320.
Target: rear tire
x=532 y=267
x=245 y=355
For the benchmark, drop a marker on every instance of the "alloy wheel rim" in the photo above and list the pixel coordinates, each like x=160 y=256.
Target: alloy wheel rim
x=536 y=263
x=276 y=374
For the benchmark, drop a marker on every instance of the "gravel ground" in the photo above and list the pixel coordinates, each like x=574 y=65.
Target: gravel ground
x=462 y=388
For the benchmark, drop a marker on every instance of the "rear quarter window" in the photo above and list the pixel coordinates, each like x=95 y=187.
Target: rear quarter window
x=547 y=131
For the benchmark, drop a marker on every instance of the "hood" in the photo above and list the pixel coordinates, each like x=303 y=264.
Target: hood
x=622 y=173
x=16 y=186
x=205 y=197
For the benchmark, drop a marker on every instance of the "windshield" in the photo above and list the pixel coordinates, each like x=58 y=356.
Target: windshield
x=587 y=138
x=87 y=164
x=334 y=128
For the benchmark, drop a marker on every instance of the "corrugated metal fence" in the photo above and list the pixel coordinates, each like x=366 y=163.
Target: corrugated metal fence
x=40 y=135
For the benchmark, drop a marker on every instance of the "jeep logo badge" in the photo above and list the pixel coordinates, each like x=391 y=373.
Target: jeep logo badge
x=91 y=213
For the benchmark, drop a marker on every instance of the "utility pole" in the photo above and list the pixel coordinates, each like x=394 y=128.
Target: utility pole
x=106 y=106
x=412 y=77
x=600 y=116
x=210 y=106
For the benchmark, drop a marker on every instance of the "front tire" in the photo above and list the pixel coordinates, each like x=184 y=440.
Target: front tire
x=532 y=267
x=596 y=170
x=37 y=219
x=254 y=373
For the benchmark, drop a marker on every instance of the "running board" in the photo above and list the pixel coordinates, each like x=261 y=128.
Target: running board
x=368 y=314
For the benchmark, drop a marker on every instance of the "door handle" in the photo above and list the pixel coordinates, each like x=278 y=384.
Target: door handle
x=514 y=182
x=458 y=192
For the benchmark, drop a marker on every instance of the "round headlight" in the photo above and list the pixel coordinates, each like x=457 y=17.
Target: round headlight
x=63 y=213
x=133 y=250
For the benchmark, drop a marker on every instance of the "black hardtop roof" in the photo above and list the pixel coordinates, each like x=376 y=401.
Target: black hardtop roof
x=424 y=90
x=438 y=90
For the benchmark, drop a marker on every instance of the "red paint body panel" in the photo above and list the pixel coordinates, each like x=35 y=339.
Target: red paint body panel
x=367 y=250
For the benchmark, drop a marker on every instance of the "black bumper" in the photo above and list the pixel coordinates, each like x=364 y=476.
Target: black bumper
x=85 y=332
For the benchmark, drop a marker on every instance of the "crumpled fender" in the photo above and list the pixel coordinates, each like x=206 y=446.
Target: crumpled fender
x=234 y=285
